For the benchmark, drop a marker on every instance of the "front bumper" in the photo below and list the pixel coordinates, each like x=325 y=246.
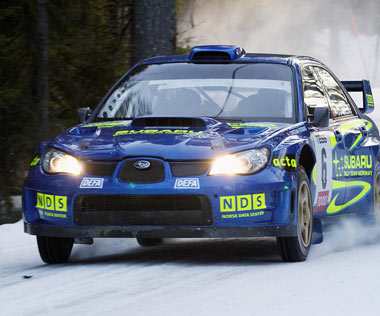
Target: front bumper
x=159 y=231
x=237 y=206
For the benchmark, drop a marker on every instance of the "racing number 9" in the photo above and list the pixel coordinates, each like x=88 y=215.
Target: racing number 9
x=324 y=168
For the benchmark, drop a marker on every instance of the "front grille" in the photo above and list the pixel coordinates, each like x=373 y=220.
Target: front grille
x=155 y=173
x=101 y=169
x=187 y=169
x=184 y=210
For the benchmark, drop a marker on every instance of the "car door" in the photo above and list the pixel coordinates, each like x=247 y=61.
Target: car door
x=355 y=165
x=326 y=143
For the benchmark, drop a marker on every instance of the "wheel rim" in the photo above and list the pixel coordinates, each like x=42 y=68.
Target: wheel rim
x=305 y=214
x=377 y=199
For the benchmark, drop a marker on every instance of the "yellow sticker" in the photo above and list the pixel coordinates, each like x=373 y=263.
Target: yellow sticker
x=51 y=203
x=258 y=201
x=40 y=200
x=227 y=204
x=61 y=203
x=244 y=202
x=369 y=100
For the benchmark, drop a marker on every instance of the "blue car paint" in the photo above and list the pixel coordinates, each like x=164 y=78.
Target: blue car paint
x=278 y=185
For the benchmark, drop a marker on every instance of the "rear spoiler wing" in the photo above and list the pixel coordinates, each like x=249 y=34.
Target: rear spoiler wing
x=364 y=87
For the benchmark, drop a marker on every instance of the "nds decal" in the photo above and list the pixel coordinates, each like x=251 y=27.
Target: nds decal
x=287 y=162
x=157 y=131
x=186 y=183
x=92 y=183
x=246 y=202
x=238 y=206
x=48 y=204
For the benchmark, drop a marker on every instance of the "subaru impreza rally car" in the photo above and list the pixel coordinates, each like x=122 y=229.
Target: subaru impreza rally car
x=219 y=143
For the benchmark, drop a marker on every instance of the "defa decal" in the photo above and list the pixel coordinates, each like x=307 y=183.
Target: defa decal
x=287 y=162
x=157 y=131
x=187 y=183
x=322 y=174
x=92 y=183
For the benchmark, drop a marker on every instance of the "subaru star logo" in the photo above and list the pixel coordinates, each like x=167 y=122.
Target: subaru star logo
x=141 y=164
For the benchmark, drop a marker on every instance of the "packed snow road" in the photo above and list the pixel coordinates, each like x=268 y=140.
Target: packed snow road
x=192 y=277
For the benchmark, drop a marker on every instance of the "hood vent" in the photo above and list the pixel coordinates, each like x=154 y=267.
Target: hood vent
x=168 y=122
x=211 y=55
x=218 y=52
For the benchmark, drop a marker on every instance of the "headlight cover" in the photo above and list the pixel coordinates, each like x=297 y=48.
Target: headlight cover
x=56 y=161
x=245 y=162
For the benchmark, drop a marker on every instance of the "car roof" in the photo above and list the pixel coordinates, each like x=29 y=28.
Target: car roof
x=241 y=58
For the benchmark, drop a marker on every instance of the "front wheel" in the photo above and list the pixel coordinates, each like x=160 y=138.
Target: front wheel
x=295 y=249
x=54 y=250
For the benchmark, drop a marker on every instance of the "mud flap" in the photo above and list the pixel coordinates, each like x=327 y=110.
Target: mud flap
x=317 y=237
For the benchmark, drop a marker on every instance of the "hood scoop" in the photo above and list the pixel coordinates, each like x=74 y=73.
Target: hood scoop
x=161 y=121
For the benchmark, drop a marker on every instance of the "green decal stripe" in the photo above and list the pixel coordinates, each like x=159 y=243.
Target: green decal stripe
x=251 y=124
x=369 y=100
x=368 y=126
x=104 y=125
x=333 y=208
x=35 y=161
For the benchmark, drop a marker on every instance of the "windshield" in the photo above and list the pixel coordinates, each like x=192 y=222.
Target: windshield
x=256 y=91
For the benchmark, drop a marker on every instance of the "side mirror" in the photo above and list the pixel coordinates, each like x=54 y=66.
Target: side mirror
x=321 y=117
x=83 y=114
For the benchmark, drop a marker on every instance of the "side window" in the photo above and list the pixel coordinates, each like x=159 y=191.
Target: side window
x=313 y=93
x=339 y=105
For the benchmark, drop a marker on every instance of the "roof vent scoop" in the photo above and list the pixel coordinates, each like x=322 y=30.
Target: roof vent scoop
x=223 y=52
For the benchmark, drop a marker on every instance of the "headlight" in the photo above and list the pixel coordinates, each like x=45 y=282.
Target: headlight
x=245 y=162
x=56 y=161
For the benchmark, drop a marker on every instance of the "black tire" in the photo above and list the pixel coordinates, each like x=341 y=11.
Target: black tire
x=376 y=196
x=149 y=242
x=54 y=250
x=296 y=249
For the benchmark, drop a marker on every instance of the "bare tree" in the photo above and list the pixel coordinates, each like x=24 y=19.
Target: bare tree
x=41 y=66
x=154 y=28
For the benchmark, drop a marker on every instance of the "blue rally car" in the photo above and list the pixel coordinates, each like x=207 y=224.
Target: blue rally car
x=217 y=143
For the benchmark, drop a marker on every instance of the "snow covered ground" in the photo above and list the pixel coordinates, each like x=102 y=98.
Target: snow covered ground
x=193 y=277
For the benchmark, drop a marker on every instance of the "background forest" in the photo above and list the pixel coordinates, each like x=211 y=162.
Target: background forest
x=59 y=55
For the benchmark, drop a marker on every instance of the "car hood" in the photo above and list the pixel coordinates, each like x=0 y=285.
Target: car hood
x=192 y=138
